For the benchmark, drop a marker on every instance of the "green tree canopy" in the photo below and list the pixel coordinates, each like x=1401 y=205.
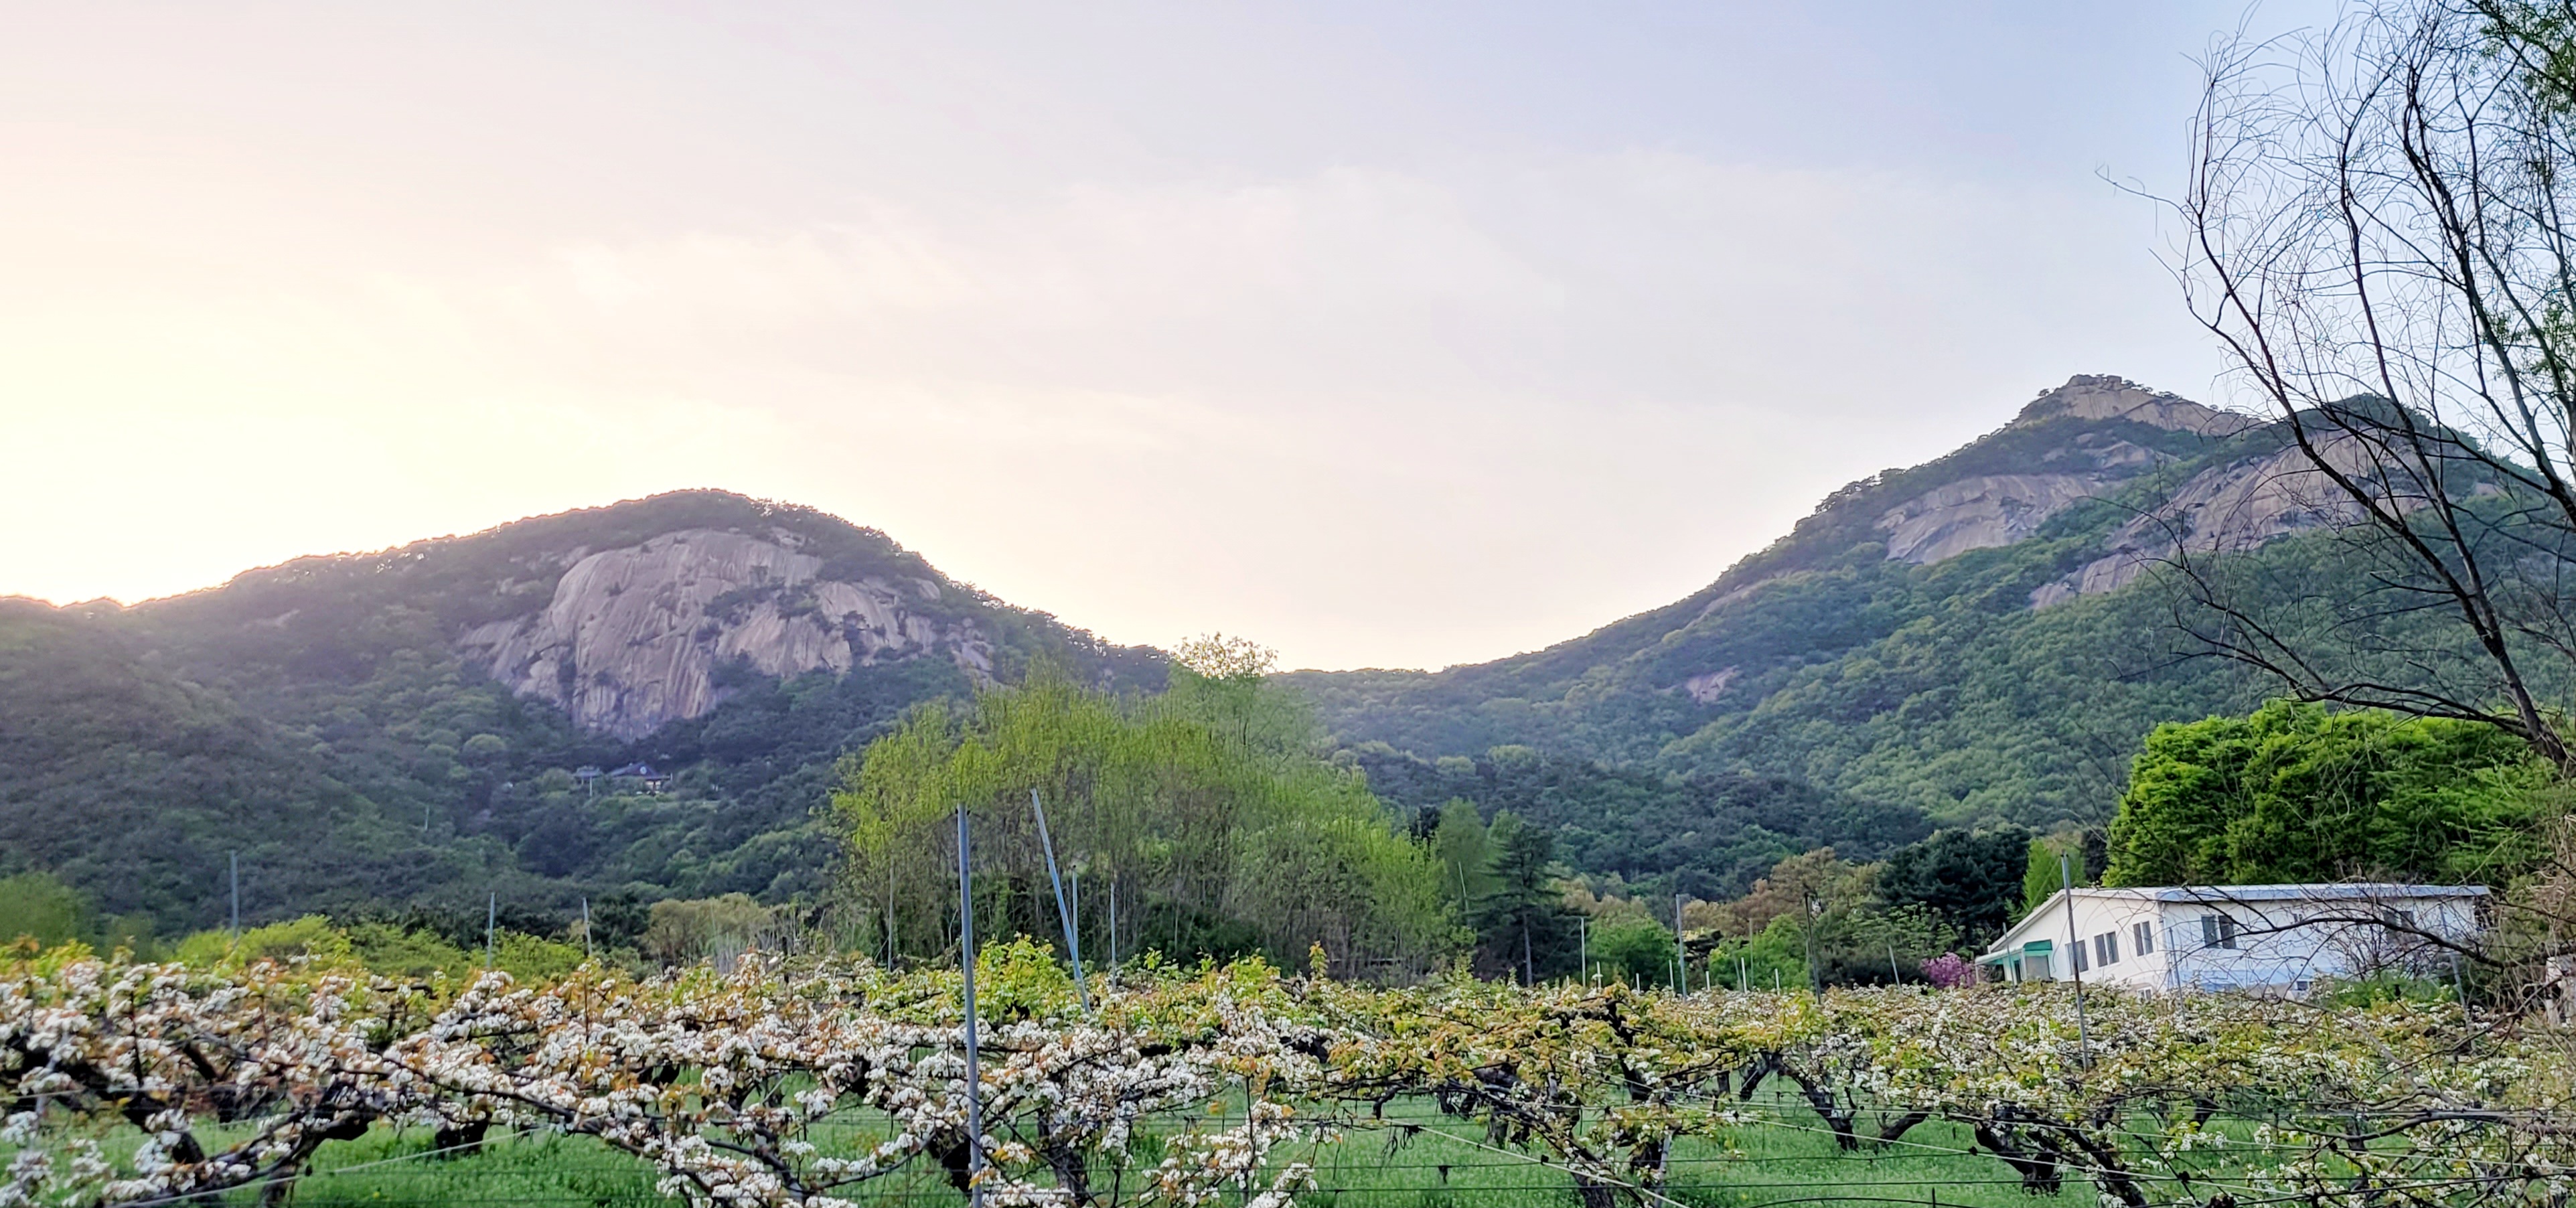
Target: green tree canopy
x=2296 y=793
x=1202 y=819
x=1523 y=928
x=1968 y=880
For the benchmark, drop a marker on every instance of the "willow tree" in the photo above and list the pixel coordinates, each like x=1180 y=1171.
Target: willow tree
x=1199 y=821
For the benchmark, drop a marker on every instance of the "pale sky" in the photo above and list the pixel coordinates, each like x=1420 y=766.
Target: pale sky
x=1387 y=335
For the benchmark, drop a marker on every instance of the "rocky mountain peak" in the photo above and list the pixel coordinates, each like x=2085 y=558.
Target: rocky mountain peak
x=2109 y=397
x=638 y=636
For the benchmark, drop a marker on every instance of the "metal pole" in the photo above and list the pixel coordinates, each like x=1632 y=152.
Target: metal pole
x=1072 y=939
x=491 y=918
x=966 y=955
x=1681 y=958
x=589 y=951
x=1113 y=926
x=1815 y=976
x=1583 y=944
x=2462 y=989
x=1893 y=976
x=236 y=859
x=2083 y=1030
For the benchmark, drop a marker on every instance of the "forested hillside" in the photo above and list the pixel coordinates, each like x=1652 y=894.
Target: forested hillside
x=327 y=720
x=1981 y=638
x=648 y=700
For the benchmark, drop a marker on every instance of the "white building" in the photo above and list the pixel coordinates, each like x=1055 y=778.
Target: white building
x=2273 y=938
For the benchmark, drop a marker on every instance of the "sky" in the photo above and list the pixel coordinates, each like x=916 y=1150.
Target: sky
x=1385 y=335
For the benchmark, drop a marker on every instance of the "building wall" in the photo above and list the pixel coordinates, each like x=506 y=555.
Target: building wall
x=2282 y=944
x=2320 y=942
x=2096 y=915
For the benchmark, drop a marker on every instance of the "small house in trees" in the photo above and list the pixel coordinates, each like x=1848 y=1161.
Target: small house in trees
x=2275 y=939
x=643 y=776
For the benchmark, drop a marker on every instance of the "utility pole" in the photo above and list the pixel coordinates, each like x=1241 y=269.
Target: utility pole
x=236 y=860
x=491 y=921
x=589 y=951
x=2074 y=943
x=974 y=1084
x=1583 y=945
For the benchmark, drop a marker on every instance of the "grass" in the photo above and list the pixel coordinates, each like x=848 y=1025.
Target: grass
x=396 y=1168
x=1415 y=1159
x=1792 y=1161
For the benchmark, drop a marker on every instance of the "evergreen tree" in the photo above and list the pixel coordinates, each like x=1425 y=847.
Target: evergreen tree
x=1966 y=879
x=1523 y=927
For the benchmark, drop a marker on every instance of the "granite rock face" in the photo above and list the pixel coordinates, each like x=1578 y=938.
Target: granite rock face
x=2231 y=507
x=2224 y=509
x=1978 y=513
x=634 y=638
x=2106 y=397
x=1989 y=510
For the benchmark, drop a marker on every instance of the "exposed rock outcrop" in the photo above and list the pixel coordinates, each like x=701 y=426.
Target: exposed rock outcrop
x=1988 y=510
x=634 y=638
x=1978 y=513
x=1707 y=686
x=2224 y=509
x=2107 y=397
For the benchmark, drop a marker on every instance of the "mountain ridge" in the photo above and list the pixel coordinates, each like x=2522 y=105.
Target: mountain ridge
x=1933 y=645
x=2056 y=510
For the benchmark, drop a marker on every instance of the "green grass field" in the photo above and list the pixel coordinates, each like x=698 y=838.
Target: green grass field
x=1414 y=1159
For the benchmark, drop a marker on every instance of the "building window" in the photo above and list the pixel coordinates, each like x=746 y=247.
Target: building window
x=2078 y=948
x=2034 y=966
x=2217 y=931
x=2106 y=948
x=2145 y=934
x=2400 y=918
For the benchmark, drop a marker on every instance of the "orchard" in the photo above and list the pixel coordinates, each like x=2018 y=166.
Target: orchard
x=827 y=1082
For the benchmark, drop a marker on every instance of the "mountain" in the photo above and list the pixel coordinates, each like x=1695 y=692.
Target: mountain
x=1964 y=642
x=1956 y=637
x=404 y=726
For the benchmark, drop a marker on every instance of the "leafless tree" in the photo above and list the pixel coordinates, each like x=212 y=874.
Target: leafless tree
x=2378 y=225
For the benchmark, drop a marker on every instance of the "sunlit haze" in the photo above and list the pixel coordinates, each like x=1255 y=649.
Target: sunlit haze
x=1385 y=335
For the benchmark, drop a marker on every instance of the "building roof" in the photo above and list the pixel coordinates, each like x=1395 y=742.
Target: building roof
x=2321 y=892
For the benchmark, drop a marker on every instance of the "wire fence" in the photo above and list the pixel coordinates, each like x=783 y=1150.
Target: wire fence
x=1408 y=1155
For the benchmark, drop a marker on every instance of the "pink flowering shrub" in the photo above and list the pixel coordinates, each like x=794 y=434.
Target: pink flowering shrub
x=1949 y=971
